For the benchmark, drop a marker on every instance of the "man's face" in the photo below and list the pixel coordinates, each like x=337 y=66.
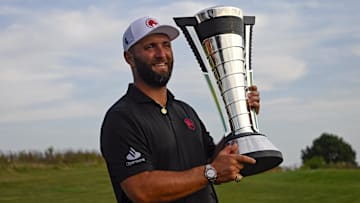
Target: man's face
x=153 y=60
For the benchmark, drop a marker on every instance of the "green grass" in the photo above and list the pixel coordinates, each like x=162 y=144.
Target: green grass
x=83 y=184
x=79 y=184
x=327 y=185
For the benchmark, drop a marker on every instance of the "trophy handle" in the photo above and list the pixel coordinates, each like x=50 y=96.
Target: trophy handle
x=184 y=22
x=249 y=22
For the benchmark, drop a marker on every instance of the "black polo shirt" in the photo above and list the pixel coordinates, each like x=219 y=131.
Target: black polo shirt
x=137 y=136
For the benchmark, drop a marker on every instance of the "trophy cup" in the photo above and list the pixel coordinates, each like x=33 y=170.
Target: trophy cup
x=221 y=38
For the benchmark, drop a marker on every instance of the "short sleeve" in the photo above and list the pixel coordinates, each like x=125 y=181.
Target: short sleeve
x=124 y=146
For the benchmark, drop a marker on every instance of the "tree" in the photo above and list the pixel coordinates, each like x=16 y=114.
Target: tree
x=332 y=149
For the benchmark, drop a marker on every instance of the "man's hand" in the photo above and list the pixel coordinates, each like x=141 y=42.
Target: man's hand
x=253 y=99
x=228 y=163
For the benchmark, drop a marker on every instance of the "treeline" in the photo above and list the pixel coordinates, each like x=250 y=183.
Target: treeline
x=49 y=157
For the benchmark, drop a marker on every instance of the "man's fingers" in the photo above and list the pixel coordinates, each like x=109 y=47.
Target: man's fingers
x=253 y=99
x=253 y=88
x=233 y=149
x=230 y=148
x=246 y=159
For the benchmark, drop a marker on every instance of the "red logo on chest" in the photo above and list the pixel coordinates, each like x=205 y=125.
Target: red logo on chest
x=189 y=123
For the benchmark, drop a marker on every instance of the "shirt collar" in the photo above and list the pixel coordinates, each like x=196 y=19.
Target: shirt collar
x=139 y=97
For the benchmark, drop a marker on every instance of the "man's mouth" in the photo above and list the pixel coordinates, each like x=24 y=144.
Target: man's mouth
x=160 y=65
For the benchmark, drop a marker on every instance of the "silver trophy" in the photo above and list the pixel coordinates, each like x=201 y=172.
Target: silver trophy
x=220 y=38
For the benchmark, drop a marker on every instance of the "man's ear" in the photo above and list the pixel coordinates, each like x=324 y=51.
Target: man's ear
x=129 y=58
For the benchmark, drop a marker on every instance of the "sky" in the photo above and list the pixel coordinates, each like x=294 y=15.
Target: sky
x=62 y=67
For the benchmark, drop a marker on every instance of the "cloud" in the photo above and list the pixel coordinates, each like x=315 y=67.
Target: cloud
x=64 y=110
x=355 y=50
x=42 y=54
x=166 y=12
x=289 y=43
x=20 y=88
x=274 y=71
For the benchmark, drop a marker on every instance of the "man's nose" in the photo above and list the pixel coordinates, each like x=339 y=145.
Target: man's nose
x=160 y=52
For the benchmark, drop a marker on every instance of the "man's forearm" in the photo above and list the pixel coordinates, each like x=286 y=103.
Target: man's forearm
x=159 y=186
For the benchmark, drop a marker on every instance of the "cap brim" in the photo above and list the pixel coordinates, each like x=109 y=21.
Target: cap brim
x=170 y=31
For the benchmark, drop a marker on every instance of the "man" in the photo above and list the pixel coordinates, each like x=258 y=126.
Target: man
x=155 y=146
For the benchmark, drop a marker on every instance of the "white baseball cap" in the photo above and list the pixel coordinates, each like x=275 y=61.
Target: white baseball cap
x=143 y=27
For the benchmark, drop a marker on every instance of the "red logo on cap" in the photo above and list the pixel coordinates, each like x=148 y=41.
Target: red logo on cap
x=190 y=124
x=151 y=23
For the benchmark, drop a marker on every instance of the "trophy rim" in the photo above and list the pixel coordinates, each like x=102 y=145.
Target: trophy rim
x=218 y=11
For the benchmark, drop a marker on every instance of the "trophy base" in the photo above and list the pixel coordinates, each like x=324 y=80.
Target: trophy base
x=257 y=146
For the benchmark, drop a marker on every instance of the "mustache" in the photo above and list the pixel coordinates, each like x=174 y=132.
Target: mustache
x=166 y=61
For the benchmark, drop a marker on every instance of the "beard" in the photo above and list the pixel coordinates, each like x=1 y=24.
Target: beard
x=149 y=76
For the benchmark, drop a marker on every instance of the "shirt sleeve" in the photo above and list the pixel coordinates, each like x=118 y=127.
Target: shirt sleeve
x=124 y=146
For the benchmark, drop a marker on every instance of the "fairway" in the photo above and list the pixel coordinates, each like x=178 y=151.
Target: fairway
x=91 y=184
x=310 y=186
x=80 y=184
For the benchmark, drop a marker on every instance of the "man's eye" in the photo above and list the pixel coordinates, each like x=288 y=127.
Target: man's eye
x=149 y=46
x=167 y=44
